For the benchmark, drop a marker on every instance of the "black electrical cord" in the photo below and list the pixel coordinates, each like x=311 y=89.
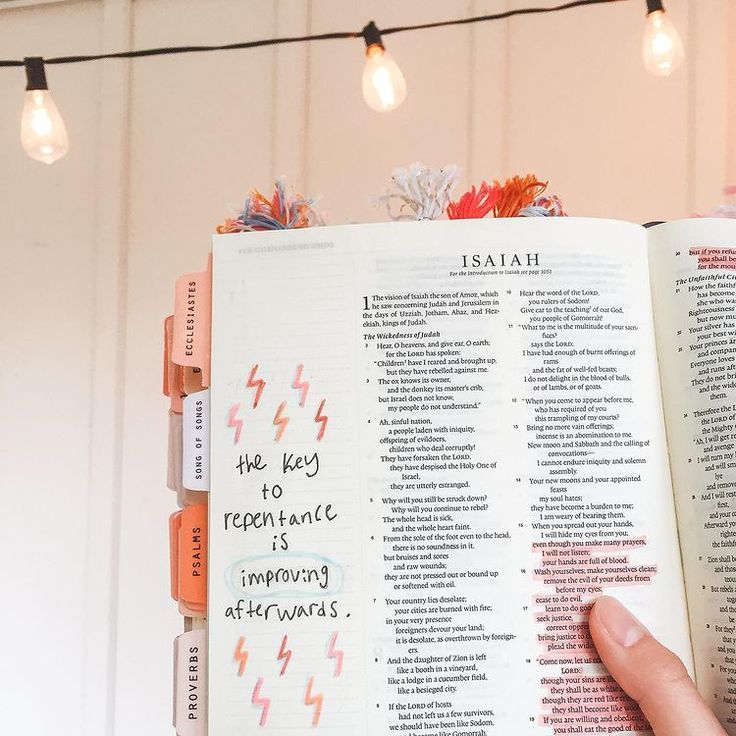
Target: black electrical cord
x=167 y=50
x=497 y=16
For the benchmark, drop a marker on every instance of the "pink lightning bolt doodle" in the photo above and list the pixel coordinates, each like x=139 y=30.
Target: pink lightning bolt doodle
x=299 y=384
x=241 y=656
x=258 y=700
x=284 y=654
x=321 y=419
x=257 y=383
x=315 y=700
x=233 y=421
x=280 y=421
x=336 y=654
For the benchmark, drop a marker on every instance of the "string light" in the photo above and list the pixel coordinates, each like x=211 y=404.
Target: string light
x=42 y=130
x=43 y=133
x=384 y=86
x=663 y=51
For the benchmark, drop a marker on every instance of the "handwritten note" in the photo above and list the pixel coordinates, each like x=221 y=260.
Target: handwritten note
x=286 y=589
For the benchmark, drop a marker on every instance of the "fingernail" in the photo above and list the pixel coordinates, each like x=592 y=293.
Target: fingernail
x=621 y=625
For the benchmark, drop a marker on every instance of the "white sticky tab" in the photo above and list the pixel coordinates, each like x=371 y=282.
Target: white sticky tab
x=196 y=444
x=190 y=683
x=173 y=472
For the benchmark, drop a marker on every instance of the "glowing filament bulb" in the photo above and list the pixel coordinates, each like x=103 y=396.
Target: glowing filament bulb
x=384 y=86
x=42 y=130
x=663 y=51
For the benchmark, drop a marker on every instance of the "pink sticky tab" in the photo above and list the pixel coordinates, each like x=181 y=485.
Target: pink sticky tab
x=192 y=322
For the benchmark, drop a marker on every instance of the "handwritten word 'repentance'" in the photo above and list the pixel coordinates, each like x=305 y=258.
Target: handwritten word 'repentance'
x=290 y=462
x=270 y=520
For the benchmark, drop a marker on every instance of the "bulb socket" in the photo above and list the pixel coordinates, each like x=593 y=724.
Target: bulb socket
x=35 y=73
x=653 y=6
x=372 y=36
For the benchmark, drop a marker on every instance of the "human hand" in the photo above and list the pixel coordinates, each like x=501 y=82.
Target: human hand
x=650 y=673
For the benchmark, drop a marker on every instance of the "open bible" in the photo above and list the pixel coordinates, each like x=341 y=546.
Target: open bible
x=434 y=444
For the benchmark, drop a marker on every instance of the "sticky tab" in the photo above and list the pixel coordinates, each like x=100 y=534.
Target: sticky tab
x=190 y=683
x=192 y=322
x=174 y=465
x=174 y=527
x=174 y=479
x=196 y=441
x=168 y=326
x=188 y=541
x=192 y=380
x=173 y=380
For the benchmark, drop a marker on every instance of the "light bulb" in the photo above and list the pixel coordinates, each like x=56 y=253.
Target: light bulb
x=42 y=130
x=663 y=51
x=384 y=86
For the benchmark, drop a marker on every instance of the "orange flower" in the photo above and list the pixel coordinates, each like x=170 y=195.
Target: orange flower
x=277 y=213
x=475 y=204
x=230 y=226
x=517 y=193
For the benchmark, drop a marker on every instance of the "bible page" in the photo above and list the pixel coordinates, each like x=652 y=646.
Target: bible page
x=434 y=444
x=693 y=265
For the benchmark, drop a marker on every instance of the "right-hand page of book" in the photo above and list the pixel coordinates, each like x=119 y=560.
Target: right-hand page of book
x=693 y=270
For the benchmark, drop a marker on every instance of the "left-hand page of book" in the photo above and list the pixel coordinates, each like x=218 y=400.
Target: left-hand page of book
x=286 y=574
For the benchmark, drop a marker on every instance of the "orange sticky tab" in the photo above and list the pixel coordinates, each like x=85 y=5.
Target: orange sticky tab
x=174 y=527
x=188 y=542
x=168 y=327
x=173 y=378
x=192 y=379
x=179 y=380
x=192 y=322
x=193 y=558
x=177 y=404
